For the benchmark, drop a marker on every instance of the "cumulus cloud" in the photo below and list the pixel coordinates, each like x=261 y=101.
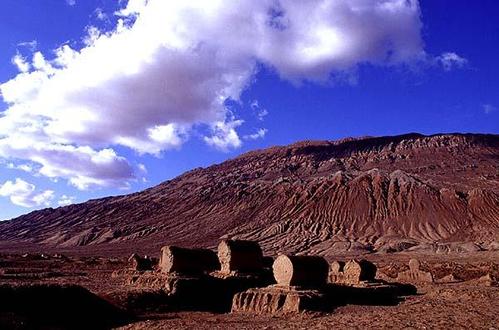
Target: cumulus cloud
x=170 y=67
x=224 y=135
x=71 y=2
x=82 y=166
x=450 y=60
x=20 y=62
x=24 y=194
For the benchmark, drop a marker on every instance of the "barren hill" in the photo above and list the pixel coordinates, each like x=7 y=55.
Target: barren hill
x=438 y=193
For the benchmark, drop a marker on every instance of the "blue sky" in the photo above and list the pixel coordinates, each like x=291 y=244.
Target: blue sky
x=113 y=111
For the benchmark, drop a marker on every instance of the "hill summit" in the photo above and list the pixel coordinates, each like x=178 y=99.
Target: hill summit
x=408 y=192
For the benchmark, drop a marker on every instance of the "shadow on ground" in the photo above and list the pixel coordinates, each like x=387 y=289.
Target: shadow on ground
x=56 y=307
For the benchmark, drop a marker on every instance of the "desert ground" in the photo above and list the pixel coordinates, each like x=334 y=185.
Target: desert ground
x=421 y=210
x=467 y=300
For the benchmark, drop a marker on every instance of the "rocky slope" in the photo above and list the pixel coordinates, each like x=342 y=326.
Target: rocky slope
x=438 y=193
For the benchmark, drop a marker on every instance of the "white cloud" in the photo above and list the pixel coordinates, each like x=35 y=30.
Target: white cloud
x=258 y=111
x=100 y=14
x=159 y=138
x=71 y=2
x=488 y=108
x=259 y=134
x=450 y=60
x=142 y=168
x=142 y=172
x=66 y=200
x=20 y=62
x=83 y=167
x=22 y=167
x=224 y=135
x=23 y=194
x=169 y=67
x=30 y=45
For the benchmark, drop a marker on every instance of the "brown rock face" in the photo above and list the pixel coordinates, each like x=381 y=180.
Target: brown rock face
x=388 y=194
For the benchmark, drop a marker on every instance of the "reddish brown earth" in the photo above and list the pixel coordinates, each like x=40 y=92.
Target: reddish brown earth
x=411 y=192
x=469 y=304
x=435 y=198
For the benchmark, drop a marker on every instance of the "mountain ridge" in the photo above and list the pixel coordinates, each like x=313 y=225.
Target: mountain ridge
x=387 y=193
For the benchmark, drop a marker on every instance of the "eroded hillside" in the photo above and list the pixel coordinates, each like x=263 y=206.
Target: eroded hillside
x=438 y=193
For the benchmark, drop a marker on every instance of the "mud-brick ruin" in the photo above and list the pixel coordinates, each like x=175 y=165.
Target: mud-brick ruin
x=240 y=257
x=415 y=274
x=300 y=271
x=176 y=260
x=353 y=272
x=300 y=283
x=239 y=278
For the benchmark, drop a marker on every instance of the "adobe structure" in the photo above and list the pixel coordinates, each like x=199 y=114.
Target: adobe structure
x=415 y=274
x=139 y=263
x=182 y=261
x=300 y=271
x=238 y=280
x=240 y=257
x=193 y=279
x=300 y=280
x=336 y=274
x=353 y=272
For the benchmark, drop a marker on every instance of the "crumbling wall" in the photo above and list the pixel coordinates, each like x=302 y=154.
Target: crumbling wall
x=139 y=263
x=359 y=271
x=302 y=271
x=415 y=274
x=240 y=256
x=352 y=272
x=187 y=261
